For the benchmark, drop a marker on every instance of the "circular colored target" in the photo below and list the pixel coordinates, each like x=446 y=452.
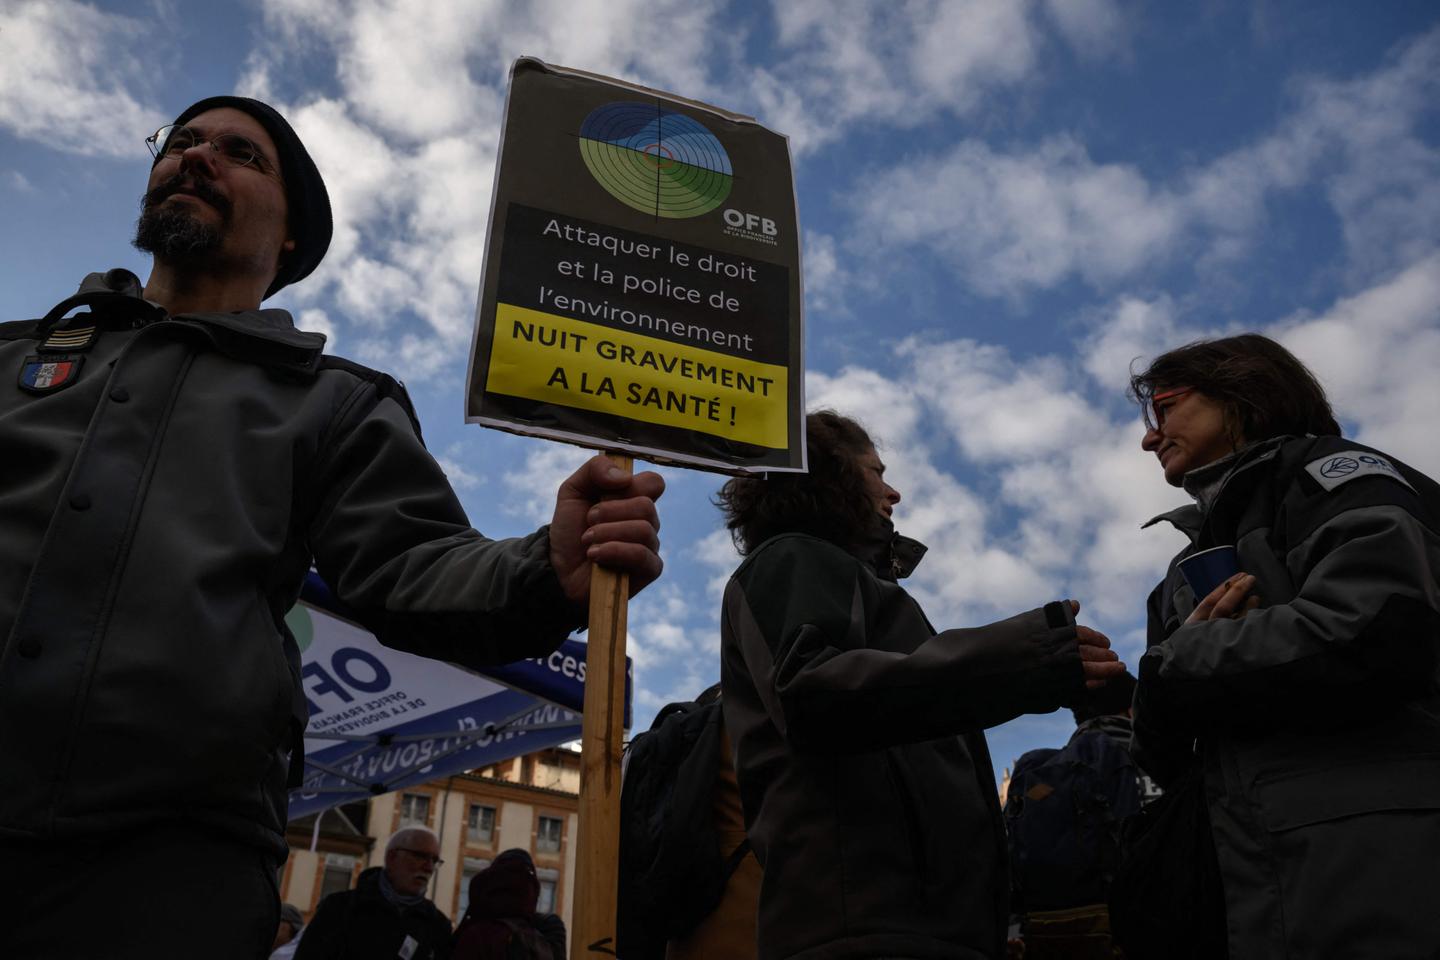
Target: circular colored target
x=655 y=160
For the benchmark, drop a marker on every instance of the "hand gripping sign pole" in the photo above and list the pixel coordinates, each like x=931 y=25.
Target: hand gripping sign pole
x=642 y=295
x=601 y=732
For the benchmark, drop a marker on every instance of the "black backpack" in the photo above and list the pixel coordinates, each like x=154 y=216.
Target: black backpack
x=672 y=871
x=527 y=943
x=1063 y=812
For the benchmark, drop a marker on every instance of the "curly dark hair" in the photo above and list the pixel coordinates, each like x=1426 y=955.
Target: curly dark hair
x=830 y=501
x=1264 y=389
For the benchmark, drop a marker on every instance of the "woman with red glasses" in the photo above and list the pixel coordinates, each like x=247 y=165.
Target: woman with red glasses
x=1292 y=712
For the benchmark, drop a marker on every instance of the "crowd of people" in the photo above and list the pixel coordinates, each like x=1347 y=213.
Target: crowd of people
x=177 y=457
x=388 y=914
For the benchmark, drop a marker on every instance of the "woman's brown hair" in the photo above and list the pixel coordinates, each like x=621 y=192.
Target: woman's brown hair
x=1265 y=390
x=830 y=501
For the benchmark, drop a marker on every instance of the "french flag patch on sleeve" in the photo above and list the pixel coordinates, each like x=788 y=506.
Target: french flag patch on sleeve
x=49 y=373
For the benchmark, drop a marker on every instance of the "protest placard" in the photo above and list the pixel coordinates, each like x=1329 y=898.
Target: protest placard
x=642 y=289
x=641 y=294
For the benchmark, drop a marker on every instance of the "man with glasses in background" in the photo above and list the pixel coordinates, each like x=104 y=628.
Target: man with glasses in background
x=174 y=460
x=387 y=914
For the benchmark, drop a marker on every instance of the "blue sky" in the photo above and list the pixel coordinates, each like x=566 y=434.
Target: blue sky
x=1003 y=203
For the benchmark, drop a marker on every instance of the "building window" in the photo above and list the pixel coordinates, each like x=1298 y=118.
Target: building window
x=481 y=823
x=548 y=880
x=547 y=836
x=472 y=866
x=414 y=810
x=338 y=871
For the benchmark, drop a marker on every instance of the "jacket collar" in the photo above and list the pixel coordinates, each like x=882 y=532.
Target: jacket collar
x=891 y=555
x=1189 y=518
x=268 y=336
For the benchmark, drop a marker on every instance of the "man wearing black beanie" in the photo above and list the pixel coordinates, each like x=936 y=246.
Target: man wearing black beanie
x=185 y=242
x=175 y=459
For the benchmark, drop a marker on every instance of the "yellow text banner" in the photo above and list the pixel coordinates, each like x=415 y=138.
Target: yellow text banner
x=561 y=360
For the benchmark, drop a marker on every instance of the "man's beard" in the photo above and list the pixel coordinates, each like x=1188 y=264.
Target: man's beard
x=173 y=232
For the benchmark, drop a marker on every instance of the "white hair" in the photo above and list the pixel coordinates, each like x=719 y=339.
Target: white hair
x=404 y=836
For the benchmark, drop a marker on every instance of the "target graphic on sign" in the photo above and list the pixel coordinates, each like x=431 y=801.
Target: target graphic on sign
x=655 y=160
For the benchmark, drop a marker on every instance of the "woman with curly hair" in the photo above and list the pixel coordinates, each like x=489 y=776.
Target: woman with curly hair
x=869 y=796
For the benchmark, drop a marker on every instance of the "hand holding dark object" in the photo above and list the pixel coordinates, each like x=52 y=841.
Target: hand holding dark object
x=1099 y=662
x=1229 y=600
x=606 y=515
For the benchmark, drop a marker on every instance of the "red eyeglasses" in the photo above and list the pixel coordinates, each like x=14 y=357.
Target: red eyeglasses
x=1159 y=404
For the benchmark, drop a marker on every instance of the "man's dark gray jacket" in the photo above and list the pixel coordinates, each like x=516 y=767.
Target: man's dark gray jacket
x=158 y=514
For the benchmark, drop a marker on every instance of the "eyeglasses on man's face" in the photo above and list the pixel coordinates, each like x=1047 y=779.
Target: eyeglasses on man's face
x=173 y=139
x=431 y=858
x=1161 y=403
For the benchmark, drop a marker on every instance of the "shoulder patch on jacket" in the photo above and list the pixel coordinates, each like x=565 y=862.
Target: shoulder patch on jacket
x=1333 y=469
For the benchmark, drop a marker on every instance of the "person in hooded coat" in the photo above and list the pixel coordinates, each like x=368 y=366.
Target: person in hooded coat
x=867 y=786
x=501 y=922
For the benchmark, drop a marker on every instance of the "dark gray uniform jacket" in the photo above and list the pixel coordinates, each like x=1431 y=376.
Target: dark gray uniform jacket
x=868 y=791
x=1317 y=715
x=158 y=512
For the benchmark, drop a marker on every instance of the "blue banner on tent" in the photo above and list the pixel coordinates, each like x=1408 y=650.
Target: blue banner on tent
x=381 y=719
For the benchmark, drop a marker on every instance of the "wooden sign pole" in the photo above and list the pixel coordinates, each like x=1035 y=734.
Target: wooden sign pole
x=597 y=863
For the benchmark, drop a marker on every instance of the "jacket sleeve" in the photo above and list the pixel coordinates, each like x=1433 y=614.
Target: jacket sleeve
x=1363 y=623
x=391 y=539
x=800 y=613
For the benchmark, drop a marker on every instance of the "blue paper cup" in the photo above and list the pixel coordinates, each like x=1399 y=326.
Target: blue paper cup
x=1206 y=570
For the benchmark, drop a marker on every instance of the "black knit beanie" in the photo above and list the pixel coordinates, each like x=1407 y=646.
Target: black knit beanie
x=305 y=194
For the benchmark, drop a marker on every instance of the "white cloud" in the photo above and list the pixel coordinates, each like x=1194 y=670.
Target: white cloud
x=887 y=409
x=459 y=477
x=825 y=280
x=995 y=409
x=674 y=658
x=372 y=293
x=1093 y=28
x=1013 y=221
x=317 y=321
x=1377 y=354
x=1035 y=217
x=1384 y=181
x=412 y=357
x=1128 y=330
x=901 y=62
x=458 y=460
x=73 y=76
x=717 y=555
x=532 y=488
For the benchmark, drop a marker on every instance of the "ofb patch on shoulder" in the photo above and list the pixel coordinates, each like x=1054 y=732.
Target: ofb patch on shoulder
x=1334 y=469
